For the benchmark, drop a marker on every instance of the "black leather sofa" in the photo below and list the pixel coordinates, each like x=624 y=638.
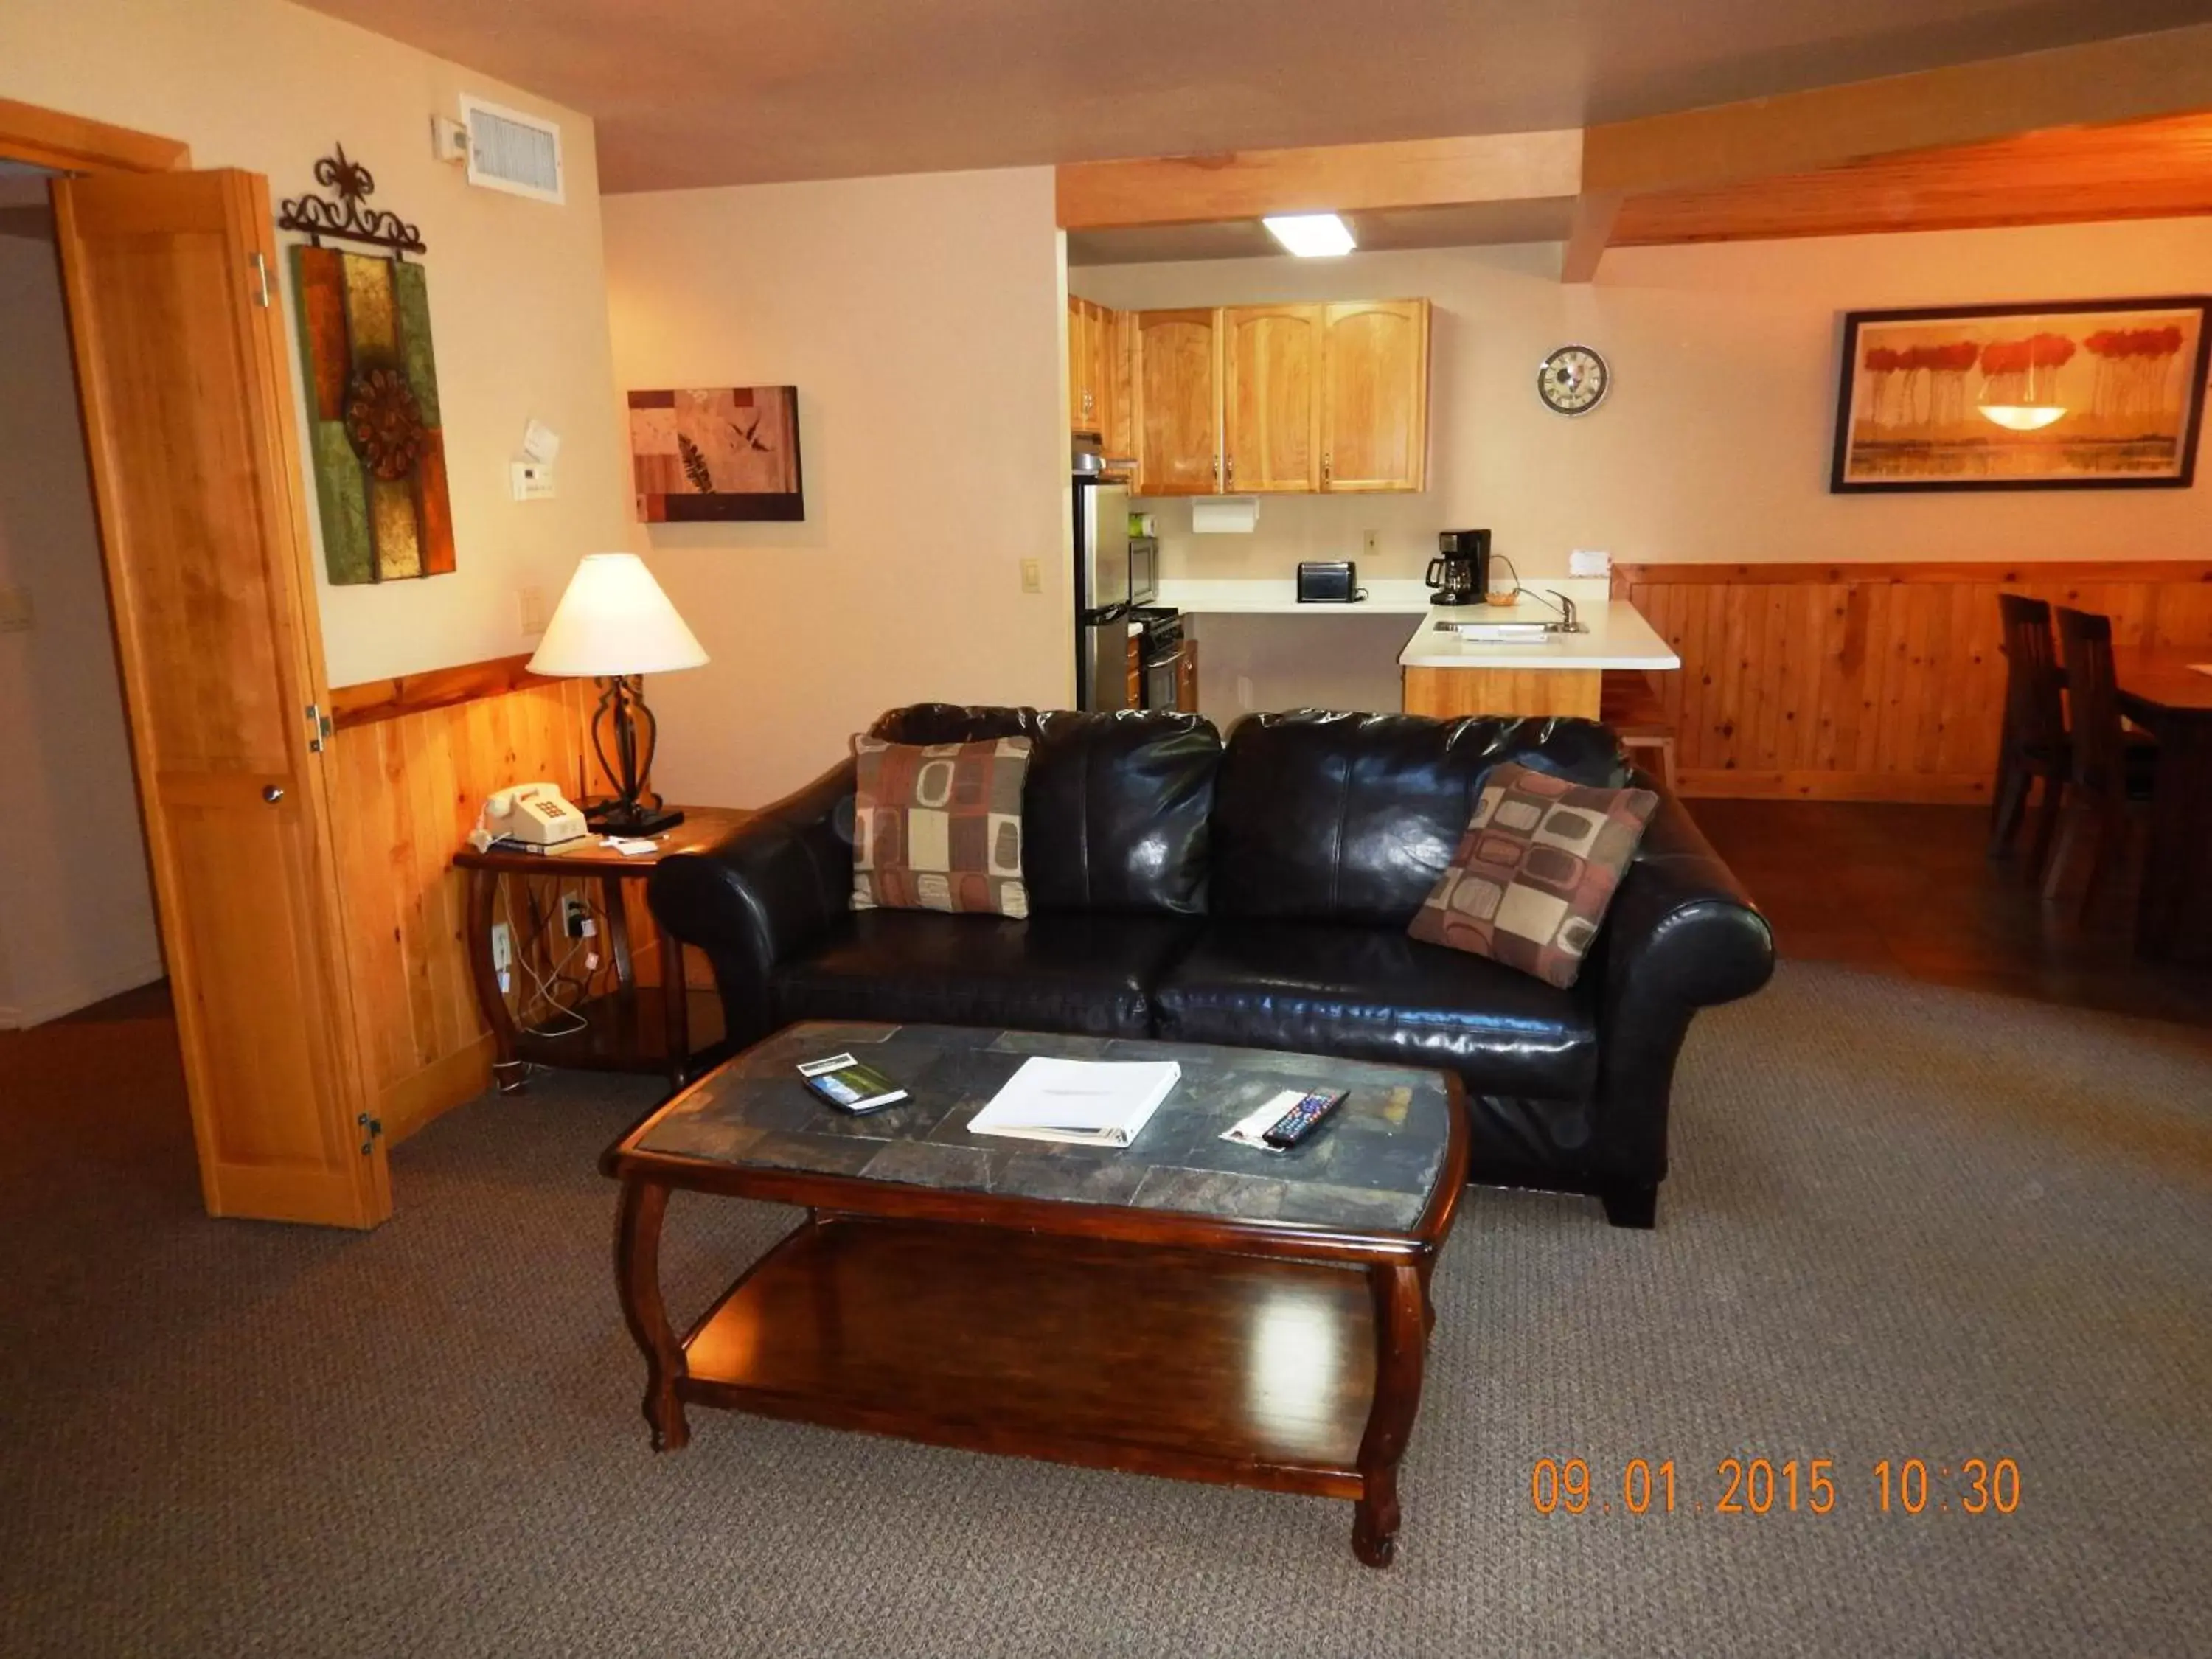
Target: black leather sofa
x=1256 y=892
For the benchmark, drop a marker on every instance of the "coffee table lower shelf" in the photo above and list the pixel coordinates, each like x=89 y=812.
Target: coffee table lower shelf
x=1248 y=1372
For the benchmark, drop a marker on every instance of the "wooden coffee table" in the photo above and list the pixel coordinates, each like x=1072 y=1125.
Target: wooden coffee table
x=1185 y=1307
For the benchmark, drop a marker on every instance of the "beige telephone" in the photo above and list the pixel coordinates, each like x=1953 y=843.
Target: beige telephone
x=538 y=813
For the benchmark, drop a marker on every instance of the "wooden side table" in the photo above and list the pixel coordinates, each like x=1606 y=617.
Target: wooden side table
x=665 y=1028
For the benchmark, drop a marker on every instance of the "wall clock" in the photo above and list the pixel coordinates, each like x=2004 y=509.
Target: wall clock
x=1573 y=380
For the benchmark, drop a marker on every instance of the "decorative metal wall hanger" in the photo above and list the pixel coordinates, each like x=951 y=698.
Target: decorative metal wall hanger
x=346 y=219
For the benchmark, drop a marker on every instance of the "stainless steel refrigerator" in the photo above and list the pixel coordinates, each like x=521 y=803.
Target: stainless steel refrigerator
x=1101 y=595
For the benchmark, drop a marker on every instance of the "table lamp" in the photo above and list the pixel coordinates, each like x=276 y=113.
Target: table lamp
x=615 y=625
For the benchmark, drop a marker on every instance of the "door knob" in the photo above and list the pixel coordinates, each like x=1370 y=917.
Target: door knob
x=272 y=793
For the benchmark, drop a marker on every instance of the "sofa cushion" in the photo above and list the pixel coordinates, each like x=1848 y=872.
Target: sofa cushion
x=1352 y=818
x=1116 y=806
x=938 y=826
x=1534 y=875
x=1366 y=994
x=1056 y=973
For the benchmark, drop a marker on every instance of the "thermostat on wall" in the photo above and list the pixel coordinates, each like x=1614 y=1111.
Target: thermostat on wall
x=532 y=480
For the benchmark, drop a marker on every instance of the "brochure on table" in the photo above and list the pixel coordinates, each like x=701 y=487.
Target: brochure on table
x=1093 y=1103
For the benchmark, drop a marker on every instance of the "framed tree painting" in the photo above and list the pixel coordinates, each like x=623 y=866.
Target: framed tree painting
x=2096 y=394
x=716 y=454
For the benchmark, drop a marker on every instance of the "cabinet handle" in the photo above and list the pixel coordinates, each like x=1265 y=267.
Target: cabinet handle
x=1217 y=469
x=1324 y=469
x=1233 y=469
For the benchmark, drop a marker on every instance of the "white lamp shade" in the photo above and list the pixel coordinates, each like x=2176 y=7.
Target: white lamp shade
x=614 y=619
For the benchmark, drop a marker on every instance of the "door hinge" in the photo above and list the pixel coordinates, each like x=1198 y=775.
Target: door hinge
x=260 y=279
x=370 y=1129
x=318 y=728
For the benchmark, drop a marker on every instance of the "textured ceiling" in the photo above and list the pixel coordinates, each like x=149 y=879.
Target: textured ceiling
x=709 y=92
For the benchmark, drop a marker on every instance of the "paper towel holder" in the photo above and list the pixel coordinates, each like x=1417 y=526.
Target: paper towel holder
x=1224 y=515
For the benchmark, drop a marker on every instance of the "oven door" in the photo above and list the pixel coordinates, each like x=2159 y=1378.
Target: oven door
x=1164 y=679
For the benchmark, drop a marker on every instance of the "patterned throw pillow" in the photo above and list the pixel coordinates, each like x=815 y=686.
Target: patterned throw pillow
x=1534 y=871
x=938 y=826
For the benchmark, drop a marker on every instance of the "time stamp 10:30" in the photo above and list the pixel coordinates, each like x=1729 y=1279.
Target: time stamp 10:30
x=1763 y=1485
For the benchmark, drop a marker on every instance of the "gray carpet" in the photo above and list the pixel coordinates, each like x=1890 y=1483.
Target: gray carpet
x=1904 y=1222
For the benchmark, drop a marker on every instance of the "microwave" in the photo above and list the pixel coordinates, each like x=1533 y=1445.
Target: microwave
x=1144 y=570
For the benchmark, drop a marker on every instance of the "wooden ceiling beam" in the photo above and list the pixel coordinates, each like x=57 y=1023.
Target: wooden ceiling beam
x=2128 y=79
x=2137 y=170
x=1341 y=178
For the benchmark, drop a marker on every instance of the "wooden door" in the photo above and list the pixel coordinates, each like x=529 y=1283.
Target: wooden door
x=1178 y=403
x=1374 y=396
x=189 y=421
x=1271 y=404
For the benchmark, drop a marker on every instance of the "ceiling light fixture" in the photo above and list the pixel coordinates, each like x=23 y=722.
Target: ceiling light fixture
x=1311 y=235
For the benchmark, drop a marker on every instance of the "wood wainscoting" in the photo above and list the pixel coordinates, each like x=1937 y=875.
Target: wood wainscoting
x=410 y=763
x=1872 y=681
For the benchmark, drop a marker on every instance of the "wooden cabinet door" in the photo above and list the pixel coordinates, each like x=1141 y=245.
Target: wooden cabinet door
x=1270 y=402
x=1178 y=403
x=1121 y=434
x=1187 y=676
x=1374 y=396
x=190 y=428
x=1080 y=393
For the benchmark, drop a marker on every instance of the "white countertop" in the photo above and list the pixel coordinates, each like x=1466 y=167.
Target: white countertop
x=1619 y=637
x=1386 y=596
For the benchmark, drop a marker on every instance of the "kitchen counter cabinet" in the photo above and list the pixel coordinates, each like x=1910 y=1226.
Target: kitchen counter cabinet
x=1178 y=381
x=1561 y=674
x=1374 y=396
x=1271 y=393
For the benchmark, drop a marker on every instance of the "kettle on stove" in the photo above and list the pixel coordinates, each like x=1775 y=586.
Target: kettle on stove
x=1460 y=575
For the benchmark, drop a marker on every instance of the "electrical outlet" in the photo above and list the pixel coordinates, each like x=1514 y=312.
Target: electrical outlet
x=503 y=949
x=1032 y=577
x=533 y=481
x=576 y=917
x=1370 y=542
x=15 y=610
x=530 y=606
x=1243 y=691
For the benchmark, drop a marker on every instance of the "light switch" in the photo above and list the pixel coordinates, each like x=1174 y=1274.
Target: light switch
x=533 y=481
x=530 y=602
x=1032 y=577
x=15 y=610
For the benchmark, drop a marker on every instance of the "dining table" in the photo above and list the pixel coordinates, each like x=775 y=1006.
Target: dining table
x=2169 y=695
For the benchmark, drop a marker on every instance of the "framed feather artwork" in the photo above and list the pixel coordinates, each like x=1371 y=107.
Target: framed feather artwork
x=716 y=454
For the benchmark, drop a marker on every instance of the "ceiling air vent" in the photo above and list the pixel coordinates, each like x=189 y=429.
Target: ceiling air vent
x=510 y=151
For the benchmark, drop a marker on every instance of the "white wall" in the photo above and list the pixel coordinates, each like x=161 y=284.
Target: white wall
x=922 y=319
x=517 y=288
x=76 y=914
x=1714 y=444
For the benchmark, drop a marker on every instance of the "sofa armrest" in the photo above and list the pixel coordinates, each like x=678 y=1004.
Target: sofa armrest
x=763 y=895
x=1682 y=934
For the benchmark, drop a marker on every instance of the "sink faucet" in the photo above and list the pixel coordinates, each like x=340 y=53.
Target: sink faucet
x=1567 y=622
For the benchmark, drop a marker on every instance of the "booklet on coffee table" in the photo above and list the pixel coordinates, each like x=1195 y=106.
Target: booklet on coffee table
x=1087 y=1103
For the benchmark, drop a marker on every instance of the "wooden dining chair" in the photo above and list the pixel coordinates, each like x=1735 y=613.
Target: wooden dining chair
x=2033 y=744
x=2106 y=772
x=1627 y=703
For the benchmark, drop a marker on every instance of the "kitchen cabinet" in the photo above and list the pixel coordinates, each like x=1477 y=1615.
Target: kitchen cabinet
x=1187 y=676
x=1120 y=438
x=1271 y=403
x=1178 y=386
x=1280 y=399
x=1085 y=396
x=1374 y=396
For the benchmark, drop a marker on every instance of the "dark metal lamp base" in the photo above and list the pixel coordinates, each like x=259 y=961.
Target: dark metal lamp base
x=613 y=818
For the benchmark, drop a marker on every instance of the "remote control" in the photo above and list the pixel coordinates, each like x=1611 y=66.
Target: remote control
x=1294 y=1124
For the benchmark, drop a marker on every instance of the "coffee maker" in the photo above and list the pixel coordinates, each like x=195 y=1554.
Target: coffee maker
x=1460 y=575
